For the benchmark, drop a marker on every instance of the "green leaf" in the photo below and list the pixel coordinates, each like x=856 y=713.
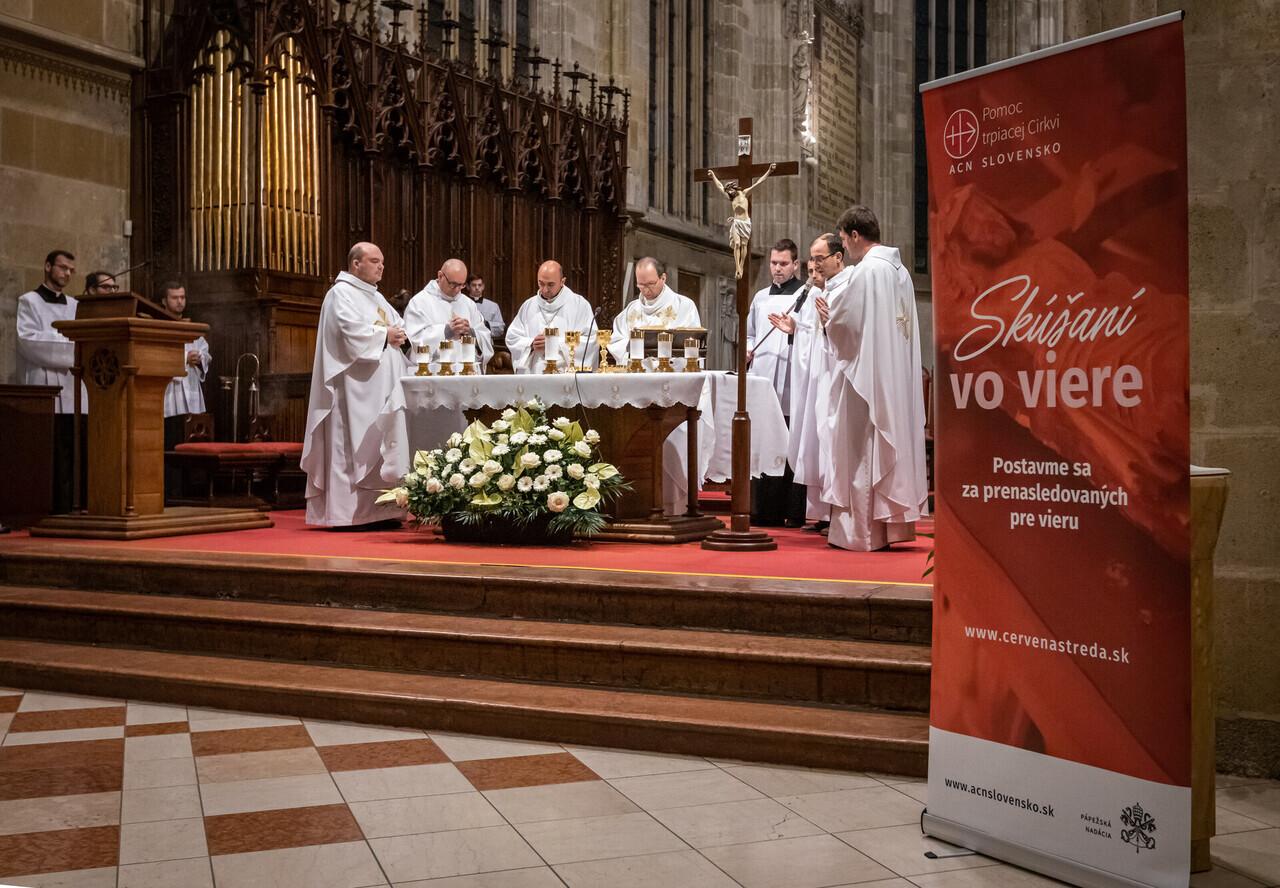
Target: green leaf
x=587 y=499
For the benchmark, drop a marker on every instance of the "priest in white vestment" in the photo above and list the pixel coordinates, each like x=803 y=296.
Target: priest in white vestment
x=360 y=357
x=441 y=311
x=659 y=307
x=874 y=414
x=45 y=357
x=554 y=305
x=185 y=394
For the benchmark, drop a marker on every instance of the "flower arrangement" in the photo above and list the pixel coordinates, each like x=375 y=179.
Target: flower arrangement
x=524 y=468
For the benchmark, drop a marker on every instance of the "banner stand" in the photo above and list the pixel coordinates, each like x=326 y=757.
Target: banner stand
x=1070 y=871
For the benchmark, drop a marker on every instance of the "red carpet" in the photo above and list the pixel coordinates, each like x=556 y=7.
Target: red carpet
x=800 y=554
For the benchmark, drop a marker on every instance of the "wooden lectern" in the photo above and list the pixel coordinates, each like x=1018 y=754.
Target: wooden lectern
x=127 y=351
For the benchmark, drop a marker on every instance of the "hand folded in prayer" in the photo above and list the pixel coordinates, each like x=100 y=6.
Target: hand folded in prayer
x=824 y=310
x=783 y=322
x=396 y=337
x=193 y=359
x=459 y=326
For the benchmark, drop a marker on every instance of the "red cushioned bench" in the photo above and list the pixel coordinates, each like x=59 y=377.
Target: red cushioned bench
x=255 y=474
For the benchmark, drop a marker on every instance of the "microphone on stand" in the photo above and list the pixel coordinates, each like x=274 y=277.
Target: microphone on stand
x=131 y=268
x=804 y=294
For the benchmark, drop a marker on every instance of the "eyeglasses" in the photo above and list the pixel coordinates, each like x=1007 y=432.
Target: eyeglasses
x=456 y=284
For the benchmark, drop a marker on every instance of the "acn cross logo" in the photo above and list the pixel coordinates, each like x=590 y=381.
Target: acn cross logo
x=960 y=135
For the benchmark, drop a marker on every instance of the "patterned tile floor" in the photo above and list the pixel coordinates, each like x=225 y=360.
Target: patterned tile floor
x=114 y=794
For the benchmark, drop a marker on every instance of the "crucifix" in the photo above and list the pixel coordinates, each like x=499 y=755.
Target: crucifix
x=736 y=182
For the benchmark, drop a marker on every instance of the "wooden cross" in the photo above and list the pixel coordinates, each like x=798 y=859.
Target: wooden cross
x=740 y=536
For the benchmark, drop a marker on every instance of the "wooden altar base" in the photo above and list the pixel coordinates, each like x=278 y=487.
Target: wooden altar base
x=792 y=670
x=179 y=521
x=670 y=529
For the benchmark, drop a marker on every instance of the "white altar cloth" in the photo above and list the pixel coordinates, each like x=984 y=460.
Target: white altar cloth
x=423 y=411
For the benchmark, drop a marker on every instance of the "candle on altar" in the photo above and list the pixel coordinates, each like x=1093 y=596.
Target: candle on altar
x=690 y=353
x=551 y=343
x=636 y=346
x=468 y=350
x=664 y=345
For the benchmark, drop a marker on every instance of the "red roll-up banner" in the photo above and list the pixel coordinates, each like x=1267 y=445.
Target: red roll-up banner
x=1060 y=723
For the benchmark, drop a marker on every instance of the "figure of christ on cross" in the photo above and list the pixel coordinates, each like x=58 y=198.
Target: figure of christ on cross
x=740 y=179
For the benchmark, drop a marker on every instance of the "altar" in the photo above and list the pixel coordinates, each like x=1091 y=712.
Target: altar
x=644 y=419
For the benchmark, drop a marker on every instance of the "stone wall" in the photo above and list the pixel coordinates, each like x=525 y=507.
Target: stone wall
x=64 y=142
x=1233 y=134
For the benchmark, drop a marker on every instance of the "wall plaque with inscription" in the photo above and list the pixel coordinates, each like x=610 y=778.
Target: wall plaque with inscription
x=835 y=113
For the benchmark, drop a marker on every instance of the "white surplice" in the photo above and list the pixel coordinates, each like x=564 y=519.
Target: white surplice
x=811 y=365
x=772 y=352
x=874 y=412
x=427 y=317
x=185 y=395
x=567 y=311
x=45 y=356
x=354 y=373
x=669 y=310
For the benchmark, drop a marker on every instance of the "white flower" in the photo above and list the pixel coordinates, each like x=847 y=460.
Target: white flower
x=558 y=501
x=592 y=436
x=541 y=483
x=467 y=466
x=533 y=404
x=576 y=471
x=500 y=425
x=492 y=467
x=554 y=472
x=412 y=478
x=508 y=414
x=453 y=455
x=479 y=479
x=592 y=480
x=553 y=456
x=434 y=485
x=454 y=440
x=582 y=448
x=555 y=435
x=537 y=440
x=500 y=450
x=525 y=484
x=543 y=429
x=402 y=497
x=503 y=439
x=530 y=460
x=506 y=482
x=560 y=422
x=519 y=438
x=457 y=482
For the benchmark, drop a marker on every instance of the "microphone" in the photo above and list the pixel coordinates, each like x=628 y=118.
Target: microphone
x=595 y=317
x=131 y=268
x=804 y=294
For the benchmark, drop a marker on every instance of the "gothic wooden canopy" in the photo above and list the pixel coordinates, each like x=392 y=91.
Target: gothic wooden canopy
x=276 y=133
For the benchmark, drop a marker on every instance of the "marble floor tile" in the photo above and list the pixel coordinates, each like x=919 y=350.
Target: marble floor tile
x=271 y=793
x=848 y=809
x=282 y=828
x=599 y=838
x=610 y=763
x=805 y=862
x=60 y=781
x=531 y=877
x=525 y=770
x=41 y=701
x=425 y=814
x=80 y=754
x=156 y=728
x=59 y=812
x=159 y=772
x=237 y=740
x=398 y=783
x=325 y=733
x=28 y=738
x=735 y=823
x=663 y=870
x=138 y=713
x=384 y=754
x=879 y=883
x=67 y=719
x=202 y=721
x=1254 y=854
x=463 y=747
x=901 y=849
x=161 y=746
x=1000 y=876
x=455 y=853
x=259 y=765
x=1225 y=781
x=1227 y=821
x=160 y=803
x=348 y=865
x=529 y=804
x=166 y=840
x=1257 y=801
x=776 y=781
x=1220 y=877
x=194 y=872
x=100 y=877
x=682 y=789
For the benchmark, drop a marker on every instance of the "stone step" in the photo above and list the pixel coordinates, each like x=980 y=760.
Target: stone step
x=810 y=735
x=767 y=667
x=823 y=609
